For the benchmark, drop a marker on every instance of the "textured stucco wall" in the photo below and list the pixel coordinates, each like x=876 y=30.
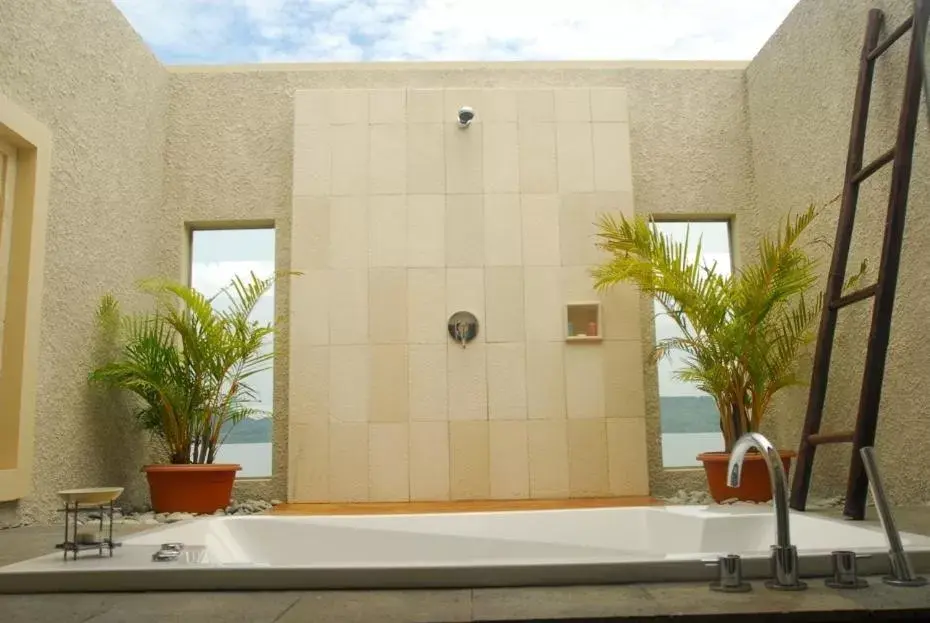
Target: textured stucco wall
x=79 y=68
x=230 y=156
x=801 y=89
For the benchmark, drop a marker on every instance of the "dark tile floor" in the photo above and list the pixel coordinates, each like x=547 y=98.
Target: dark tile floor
x=552 y=603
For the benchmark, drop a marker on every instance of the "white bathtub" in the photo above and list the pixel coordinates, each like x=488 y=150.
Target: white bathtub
x=587 y=546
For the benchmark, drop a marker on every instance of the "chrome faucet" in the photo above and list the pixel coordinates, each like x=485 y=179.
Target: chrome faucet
x=902 y=573
x=784 y=555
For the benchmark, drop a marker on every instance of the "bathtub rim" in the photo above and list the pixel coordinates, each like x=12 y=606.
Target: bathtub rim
x=625 y=569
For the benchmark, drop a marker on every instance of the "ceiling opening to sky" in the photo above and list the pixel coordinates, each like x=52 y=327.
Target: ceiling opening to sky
x=254 y=31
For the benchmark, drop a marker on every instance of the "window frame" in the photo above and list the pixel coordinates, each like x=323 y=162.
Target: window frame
x=188 y=269
x=32 y=141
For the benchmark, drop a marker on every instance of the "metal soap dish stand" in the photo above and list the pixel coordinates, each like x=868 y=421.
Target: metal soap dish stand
x=73 y=510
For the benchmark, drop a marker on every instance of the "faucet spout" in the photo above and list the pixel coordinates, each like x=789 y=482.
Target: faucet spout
x=784 y=554
x=777 y=478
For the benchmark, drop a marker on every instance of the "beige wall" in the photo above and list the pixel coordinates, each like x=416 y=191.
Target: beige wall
x=688 y=134
x=801 y=89
x=402 y=218
x=79 y=69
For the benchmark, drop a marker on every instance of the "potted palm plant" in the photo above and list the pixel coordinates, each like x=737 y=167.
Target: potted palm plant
x=189 y=362
x=740 y=335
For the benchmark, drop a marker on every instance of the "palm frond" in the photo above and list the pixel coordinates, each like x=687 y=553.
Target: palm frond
x=189 y=362
x=740 y=335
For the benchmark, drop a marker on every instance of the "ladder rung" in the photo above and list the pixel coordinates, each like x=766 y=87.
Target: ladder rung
x=890 y=39
x=818 y=439
x=873 y=166
x=854 y=297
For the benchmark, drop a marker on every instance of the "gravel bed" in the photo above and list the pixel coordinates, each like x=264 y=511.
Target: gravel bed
x=702 y=498
x=148 y=517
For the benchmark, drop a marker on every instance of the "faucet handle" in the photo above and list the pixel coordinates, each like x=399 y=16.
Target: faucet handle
x=845 y=572
x=729 y=574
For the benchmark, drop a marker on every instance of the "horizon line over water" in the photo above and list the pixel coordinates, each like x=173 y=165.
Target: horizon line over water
x=678 y=450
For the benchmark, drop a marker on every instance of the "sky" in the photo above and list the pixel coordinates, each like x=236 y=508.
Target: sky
x=253 y=31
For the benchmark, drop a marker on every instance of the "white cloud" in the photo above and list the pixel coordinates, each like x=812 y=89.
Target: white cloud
x=229 y=31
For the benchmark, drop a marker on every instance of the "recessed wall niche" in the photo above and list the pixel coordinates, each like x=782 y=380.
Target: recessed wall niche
x=583 y=322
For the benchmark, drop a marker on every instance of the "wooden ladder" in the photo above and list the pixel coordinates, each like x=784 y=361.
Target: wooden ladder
x=883 y=290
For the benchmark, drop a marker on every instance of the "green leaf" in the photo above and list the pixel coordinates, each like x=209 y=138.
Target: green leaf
x=188 y=363
x=741 y=334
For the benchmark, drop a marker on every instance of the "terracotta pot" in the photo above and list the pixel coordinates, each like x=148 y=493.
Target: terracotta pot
x=755 y=485
x=190 y=488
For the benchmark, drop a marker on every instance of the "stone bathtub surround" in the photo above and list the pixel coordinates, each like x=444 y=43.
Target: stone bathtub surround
x=399 y=218
x=402 y=218
x=635 y=602
x=611 y=545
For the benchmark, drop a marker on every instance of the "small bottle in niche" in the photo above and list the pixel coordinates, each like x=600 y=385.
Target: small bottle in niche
x=571 y=329
x=592 y=329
